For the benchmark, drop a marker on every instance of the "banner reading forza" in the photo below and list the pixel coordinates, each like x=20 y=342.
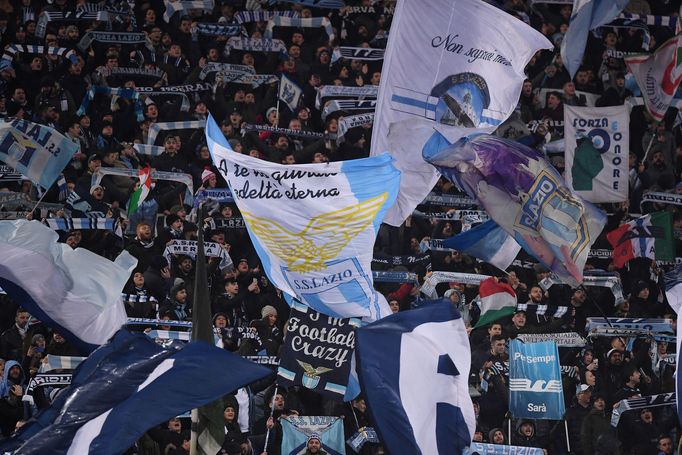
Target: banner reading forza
x=317 y=352
x=597 y=147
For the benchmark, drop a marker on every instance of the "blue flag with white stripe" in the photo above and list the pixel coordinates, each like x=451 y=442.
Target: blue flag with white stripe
x=37 y=151
x=673 y=293
x=587 y=15
x=535 y=388
x=126 y=387
x=313 y=225
x=488 y=242
x=414 y=369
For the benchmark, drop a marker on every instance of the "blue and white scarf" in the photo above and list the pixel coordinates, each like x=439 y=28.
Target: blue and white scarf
x=209 y=29
x=229 y=69
x=348 y=106
x=254 y=45
x=60 y=16
x=301 y=22
x=111 y=37
x=340 y=91
x=174 y=7
x=357 y=53
x=70 y=224
x=243 y=17
x=155 y=128
x=352 y=121
x=13 y=49
x=148 y=150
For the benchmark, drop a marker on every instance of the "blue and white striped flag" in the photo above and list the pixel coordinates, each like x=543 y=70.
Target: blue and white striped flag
x=414 y=368
x=313 y=225
x=127 y=386
x=69 y=224
x=63 y=188
x=587 y=15
x=37 y=151
x=78 y=293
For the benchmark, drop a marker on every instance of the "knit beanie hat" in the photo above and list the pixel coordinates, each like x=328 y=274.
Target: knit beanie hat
x=206 y=175
x=268 y=310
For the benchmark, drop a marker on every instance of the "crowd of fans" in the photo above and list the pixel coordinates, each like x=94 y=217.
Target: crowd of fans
x=248 y=310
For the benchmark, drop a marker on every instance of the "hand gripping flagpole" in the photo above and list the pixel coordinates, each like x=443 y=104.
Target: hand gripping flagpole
x=272 y=412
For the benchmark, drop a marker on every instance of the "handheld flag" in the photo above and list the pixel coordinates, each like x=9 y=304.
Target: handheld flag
x=487 y=242
x=524 y=194
x=289 y=92
x=587 y=15
x=535 y=388
x=109 y=403
x=37 y=151
x=141 y=193
x=650 y=236
x=473 y=83
x=313 y=225
x=497 y=301
x=414 y=369
x=78 y=293
x=658 y=75
x=297 y=430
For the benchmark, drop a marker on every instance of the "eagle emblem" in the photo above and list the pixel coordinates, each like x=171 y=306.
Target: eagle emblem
x=311 y=375
x=322 y=239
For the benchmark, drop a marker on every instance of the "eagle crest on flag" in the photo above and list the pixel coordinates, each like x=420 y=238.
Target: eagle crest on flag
x=322 y=239
x=311 y=375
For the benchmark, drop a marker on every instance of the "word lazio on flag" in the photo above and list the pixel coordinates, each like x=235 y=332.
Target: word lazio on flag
x=650 y=236
x=476 y=55
x=37 y=151
x=526 y=196
x=313 y=225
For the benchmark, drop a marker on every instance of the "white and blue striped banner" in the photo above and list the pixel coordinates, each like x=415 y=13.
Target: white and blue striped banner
x=156 y=128
x=149 y=150
x=663 y=21
x=254 y=45
x=13 y=49
x=70 y=224
x=210 y=29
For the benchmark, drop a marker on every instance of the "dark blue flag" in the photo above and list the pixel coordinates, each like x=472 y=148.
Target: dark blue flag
x=126 y=387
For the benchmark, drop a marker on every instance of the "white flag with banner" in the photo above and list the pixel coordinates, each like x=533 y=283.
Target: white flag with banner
x=597 y=148
x=456 y=68
x=658 y=75
x=313 y=225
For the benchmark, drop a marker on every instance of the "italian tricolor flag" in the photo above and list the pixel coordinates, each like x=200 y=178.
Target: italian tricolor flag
x=142 y=192
x=497 y=301
x=649 y=236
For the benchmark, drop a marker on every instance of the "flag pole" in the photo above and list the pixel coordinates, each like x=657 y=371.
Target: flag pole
x=279 y=87
x=38 y=202
x=568 y=443
x=272 y=412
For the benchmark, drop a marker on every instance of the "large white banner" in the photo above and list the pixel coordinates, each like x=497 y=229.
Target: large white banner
x=597 y=148
x=453 y=68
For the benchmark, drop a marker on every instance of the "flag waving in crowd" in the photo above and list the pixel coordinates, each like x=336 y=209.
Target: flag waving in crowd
x=473 y=83
x=313 y=225
x=658 y=75
x=527 y=197
x=649 y=236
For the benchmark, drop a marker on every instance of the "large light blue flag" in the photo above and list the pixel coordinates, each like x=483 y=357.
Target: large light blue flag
x=313 y=225
x=298 y=430
x=525 y=195
x=414 y=369
x=587 y=15
x=76 y=292
x=535 y=388
x=125 y=388
x=37 y=151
